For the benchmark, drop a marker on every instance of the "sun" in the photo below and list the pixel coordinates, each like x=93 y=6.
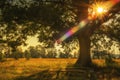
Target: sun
x=100 y=10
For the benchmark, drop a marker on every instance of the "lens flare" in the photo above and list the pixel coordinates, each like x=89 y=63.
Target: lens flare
x=73 y=30
x=97 y=12
x=99 y=9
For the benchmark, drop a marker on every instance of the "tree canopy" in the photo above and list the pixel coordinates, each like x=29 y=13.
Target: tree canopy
x=21 y=18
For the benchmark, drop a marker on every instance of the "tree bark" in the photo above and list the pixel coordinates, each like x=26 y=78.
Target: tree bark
x=84 y=59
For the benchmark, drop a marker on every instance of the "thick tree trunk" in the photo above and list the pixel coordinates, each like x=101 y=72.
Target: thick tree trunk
x=84 y=59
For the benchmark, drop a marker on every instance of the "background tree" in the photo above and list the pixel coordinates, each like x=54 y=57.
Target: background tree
x=34 y=52
x=1 y=56
x=27 y=54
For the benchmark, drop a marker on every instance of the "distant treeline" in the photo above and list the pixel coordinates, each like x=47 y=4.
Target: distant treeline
x=34 y=53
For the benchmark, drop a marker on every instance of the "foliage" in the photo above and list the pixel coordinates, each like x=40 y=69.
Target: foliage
x=21 y=16
x=106 y=38
x=23 y=13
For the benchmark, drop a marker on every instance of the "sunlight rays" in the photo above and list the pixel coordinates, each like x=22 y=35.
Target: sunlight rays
x=98 y=11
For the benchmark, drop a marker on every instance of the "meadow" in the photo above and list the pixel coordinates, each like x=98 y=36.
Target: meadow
x=48 y=69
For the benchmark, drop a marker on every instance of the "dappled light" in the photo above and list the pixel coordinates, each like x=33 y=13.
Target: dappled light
x=60 y=40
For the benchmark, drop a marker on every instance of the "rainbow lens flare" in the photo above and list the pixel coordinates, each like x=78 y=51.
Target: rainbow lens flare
x=107 y=5
x=73 y=30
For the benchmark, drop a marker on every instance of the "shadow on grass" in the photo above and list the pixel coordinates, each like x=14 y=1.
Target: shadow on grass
x=49 y=74
x=68 y=73
x=109 y=72
x=42 y=75
x=79 y=73
x=74 y=73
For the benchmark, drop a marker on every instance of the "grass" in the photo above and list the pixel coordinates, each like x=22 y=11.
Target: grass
x=39 y=69
x=11 y=68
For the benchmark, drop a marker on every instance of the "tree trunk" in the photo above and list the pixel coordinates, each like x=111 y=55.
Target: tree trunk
x=84 y=59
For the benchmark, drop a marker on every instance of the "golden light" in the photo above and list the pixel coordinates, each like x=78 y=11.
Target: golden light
x=100 y=10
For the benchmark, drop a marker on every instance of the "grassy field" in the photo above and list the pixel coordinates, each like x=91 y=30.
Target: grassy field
x=12 y=69
x=38 y=69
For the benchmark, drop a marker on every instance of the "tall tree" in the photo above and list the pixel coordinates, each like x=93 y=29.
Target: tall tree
x=48 y=19
x=84 y=58
x=85 y=34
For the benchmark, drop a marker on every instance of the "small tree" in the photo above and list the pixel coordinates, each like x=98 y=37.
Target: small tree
x=1 y=56
x=109 y=61
x=17 y=55
x=27 y=55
